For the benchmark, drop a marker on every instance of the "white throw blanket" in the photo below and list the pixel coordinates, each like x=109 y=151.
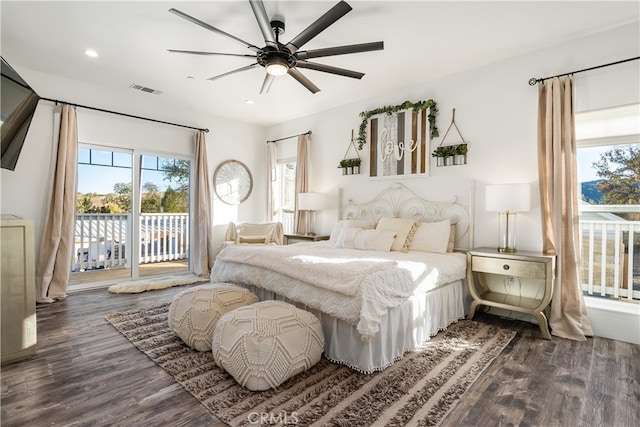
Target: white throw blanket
x=324 y=267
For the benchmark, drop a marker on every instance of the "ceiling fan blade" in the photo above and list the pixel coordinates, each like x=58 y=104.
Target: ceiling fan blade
x=340 y=50
x=266 y=84
x=321 y=24
x=197 y=52
x=329 y=69
x=303 y=80
x=233 y=71
x=214 y=29
x=263 y=22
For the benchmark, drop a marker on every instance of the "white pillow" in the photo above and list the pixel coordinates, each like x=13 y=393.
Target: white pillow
x=431 y=237
x=404 y=228
x=335 y=233
x=366 y=240
x=346 y=238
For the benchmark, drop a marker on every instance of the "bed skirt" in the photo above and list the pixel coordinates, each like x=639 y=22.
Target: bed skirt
x=403 y=328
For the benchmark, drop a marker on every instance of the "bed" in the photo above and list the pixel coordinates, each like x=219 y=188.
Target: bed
x=386 y=281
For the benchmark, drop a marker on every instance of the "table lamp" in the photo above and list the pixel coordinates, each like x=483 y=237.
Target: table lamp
x=311 y=202
x=507 y=199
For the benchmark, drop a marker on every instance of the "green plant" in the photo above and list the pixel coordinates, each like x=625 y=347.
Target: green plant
x=392 y=109
x=349 y=163
x=450 y=150
x=443 y=151
x=461 y=149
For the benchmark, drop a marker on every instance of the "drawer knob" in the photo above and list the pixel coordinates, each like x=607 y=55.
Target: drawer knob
x=506 y=267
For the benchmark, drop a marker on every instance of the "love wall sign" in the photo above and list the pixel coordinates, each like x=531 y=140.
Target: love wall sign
x=398 y=138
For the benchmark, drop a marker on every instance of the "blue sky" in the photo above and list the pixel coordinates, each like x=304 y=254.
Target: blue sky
x=95 y=178
x=101 y=179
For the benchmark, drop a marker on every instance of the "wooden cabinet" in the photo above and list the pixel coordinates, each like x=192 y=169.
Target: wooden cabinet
x=290 y=239
x=529 y=269
x=17 y=275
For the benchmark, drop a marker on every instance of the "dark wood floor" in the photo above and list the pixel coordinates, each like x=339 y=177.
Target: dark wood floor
x=86 y=373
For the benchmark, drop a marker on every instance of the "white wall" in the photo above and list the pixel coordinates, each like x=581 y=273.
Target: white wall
x=496 y=112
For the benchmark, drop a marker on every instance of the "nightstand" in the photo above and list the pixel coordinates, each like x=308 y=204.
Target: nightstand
x=526 y=271
x=290 y=239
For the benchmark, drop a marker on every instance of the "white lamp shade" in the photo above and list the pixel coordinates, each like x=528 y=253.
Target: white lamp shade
x=311 y=201
x=508 y=197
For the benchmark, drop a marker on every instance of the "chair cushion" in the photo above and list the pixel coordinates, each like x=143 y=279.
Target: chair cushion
x=264 y=344
x=194 y=312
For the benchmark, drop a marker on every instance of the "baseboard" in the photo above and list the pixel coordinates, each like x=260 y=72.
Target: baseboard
x=617 y=320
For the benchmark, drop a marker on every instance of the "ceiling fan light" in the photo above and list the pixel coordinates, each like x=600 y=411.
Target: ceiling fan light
x=277 y=66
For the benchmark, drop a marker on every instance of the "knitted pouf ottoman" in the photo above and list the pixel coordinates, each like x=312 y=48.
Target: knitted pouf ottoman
x=264 y=344
x=194 y=312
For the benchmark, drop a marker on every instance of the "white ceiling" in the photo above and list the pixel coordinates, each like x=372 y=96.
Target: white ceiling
x=423 y=40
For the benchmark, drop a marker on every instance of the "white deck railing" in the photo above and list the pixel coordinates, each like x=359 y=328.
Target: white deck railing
x=610 y=252
x=102 y=240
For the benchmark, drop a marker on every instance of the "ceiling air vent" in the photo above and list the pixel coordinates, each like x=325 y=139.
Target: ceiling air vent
x=145 y=89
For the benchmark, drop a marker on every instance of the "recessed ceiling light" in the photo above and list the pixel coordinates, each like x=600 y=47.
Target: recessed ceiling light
x=249 y=101
x=92 y=53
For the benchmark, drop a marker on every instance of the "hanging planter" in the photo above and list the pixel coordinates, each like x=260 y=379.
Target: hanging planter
x=450 y=155
x=351 y=165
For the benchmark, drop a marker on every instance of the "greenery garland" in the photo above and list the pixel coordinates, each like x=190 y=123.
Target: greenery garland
x=389 y=110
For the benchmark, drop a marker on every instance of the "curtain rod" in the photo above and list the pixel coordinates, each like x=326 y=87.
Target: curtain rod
x=533 y=80
x=124 y=114
x=289 y=137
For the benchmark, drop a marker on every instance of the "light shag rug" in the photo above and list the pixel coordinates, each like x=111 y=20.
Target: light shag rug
x=419 y=389
x=154 y=283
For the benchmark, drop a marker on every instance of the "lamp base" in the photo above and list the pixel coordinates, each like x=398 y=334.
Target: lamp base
x=507 y=250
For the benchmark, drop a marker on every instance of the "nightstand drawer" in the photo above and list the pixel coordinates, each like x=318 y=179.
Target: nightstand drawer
x=508 y=267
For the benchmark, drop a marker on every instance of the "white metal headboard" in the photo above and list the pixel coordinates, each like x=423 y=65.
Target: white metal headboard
x=399 y=201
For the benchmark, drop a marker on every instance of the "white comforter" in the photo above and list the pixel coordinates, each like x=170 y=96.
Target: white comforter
x=356 y=286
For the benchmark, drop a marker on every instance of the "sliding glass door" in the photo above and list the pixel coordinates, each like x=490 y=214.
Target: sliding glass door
x=164 y=215
x=132 y=216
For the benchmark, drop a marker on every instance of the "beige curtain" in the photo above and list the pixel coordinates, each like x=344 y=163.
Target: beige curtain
x=272 y=164
x=57 y=245
x=202 y=248
x=302 y=182
x=559 y=206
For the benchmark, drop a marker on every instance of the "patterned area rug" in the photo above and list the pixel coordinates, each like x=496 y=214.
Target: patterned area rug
x=155 y=283
x=419 y=389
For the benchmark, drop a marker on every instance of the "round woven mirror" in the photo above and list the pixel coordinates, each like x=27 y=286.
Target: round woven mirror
x=232 y=182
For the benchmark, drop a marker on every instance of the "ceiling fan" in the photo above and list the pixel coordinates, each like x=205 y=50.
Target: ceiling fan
x=278 y=58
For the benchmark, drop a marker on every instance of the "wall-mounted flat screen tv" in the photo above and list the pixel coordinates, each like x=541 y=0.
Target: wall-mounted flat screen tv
x=18 y=103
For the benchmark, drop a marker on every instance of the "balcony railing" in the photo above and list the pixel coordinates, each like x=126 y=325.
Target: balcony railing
x=610 y=254
x=105 y=240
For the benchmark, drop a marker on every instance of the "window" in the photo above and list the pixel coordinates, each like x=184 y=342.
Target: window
x=608 y=155
x=284 y=194
x=608 y=158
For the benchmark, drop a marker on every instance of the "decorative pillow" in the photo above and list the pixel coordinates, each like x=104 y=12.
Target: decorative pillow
x=347 y=236
x=452 y=238
x=431 y=237
x=379 y=240
x=404 y=228
x=254 y=239
x=366 y=240
x=335 y=233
